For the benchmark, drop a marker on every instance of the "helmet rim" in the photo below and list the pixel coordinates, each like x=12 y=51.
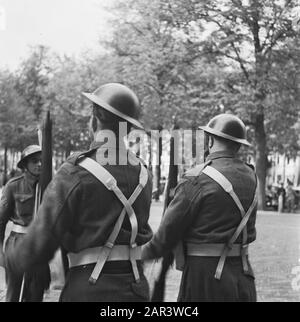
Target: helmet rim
x=227 y=126
x=24 y=156
x=224 y=135
x=95 y=98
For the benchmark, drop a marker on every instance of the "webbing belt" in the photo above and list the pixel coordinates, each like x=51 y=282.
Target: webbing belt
x=227 y=186
x=90 y=255
x=213 y=250
x=111 y=184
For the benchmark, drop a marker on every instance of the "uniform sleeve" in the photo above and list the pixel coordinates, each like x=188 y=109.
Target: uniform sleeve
x=175 y=222
x=53 y=219
x=6 y=210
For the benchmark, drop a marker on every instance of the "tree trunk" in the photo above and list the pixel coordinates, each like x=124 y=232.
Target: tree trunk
x=194 y=145
x=150 y=154
x=5 y=176
x=260 y=160
x=158 y=166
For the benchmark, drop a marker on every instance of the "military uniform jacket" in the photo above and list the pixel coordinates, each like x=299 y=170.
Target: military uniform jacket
x=202 y=212
x=17 y=202
x=79 y=212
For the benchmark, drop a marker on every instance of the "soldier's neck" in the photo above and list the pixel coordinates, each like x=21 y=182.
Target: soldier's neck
x=221 y=150
x=219 y=147
x=32 y=179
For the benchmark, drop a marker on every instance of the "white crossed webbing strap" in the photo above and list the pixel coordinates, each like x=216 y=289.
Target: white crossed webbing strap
x=227 y=186
x=37 y=199
x=110 y=183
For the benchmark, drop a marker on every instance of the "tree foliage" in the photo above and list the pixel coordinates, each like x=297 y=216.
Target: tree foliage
x=203 y=57
x=161 y=64
x=15 y=119
x=185 y=59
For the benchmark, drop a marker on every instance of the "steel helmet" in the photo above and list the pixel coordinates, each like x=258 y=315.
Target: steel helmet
x=227 y=126
x=119 y=100
x=27 y=152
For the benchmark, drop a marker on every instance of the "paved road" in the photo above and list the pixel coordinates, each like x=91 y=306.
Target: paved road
x=274 y=256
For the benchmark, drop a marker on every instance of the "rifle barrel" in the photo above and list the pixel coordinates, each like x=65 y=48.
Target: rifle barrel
x=159 y=286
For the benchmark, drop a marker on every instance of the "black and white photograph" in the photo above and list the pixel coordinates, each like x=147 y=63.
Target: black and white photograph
x=149 y=152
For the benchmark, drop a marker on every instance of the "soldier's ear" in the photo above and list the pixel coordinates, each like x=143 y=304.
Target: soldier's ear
x=92 y=126
x=94 y=123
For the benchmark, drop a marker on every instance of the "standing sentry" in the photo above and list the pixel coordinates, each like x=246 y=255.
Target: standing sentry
x=18 y=205
x=97 y=209
x=213 y=216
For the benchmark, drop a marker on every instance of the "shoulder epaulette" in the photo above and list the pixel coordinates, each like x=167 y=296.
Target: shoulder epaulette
x=70 y=164
x=74 y=157
x=15 y=179
x=196 y=171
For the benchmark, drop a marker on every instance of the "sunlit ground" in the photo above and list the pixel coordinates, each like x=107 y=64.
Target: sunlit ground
x=274 y=256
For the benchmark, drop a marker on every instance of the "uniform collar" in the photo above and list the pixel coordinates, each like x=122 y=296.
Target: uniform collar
x=118 y=153
x=220 y=154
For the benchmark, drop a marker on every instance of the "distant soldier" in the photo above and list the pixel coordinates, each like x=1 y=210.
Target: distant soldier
x=213 y=216
x=290 y=197
x=281 y=195
x=97 y=208
x=17 y=205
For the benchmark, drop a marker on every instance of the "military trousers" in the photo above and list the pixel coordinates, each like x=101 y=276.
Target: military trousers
x=116 y=283
x=36 y=281
x=199 y=285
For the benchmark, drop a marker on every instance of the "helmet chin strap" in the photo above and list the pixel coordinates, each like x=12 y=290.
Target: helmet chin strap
x=206 y=146
x=211 y=142
x=32 y=174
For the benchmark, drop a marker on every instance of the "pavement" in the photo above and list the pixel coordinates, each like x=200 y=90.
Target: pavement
x=275 y=257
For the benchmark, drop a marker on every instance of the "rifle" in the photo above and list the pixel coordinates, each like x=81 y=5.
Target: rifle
x=45 y=141
x=160 y=283
x=46 y=171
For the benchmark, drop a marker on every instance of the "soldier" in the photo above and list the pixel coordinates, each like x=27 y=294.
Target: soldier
x=213 y=217
x=17 y=205
x=96 y=208
x=290 y=197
